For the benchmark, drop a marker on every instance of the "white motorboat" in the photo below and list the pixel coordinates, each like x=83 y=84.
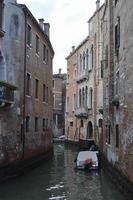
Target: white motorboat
x=87 y=159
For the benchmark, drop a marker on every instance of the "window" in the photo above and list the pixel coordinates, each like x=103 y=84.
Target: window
x=116 y=2
x=27 y=124
x=82 y=123
x=90 y=98
x=67 y=106
x=84 y=60
x=71 y=123
x=43 y=124
x=37 y=44
x=92 y=54
x=44 y=52
x=91 y=58
x=54 y=101
x=47 y=94
x=80 y=62
x=117 y=36
x=36 y=124
x=117 y=135
x=36 y=88
x=29 y=35
x=100 y=123
x=53 y=83
x=80 y=98
x=87 y=59
x=1 y=14
x=101 y=69
x=51 y=97
x=109 y=129
x=74 y=102
x=47 y=56
x=28 y=84
x=86 y=95
x=83 y=97
x=106 y=56
x=106 y=133
x=44 y=95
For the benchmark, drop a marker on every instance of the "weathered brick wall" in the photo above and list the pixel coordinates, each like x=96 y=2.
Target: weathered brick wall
x=121 y=156
x=125 y=66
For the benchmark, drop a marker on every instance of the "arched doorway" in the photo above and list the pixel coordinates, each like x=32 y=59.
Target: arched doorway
x=89 y=130
x=100 y=133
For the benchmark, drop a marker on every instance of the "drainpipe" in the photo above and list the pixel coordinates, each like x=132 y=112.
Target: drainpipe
x=24 y=91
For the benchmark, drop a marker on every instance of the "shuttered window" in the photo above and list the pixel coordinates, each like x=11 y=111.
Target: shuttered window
x=117 y=34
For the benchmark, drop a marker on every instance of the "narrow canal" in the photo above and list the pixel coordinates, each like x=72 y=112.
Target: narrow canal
x=57 y=180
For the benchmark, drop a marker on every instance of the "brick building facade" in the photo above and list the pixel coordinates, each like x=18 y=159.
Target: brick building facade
x=117 y=32
x=25 y=85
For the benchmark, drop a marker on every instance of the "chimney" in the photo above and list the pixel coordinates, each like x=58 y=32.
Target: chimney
x=60 y=71
x=41 y=22
x=97 y=4
x=46 y=28
x=73 y=49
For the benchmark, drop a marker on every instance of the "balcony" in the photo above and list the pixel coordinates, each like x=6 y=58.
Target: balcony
x=81 y=112
x=82 y=76
x=6 y=94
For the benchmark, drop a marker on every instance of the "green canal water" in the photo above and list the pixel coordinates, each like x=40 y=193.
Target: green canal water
x=57 y=179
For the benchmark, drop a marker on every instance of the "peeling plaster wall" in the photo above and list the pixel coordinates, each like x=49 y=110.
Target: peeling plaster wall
x=12 y=70
x=11 y=117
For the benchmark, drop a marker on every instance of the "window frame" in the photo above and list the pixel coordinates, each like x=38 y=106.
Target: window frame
x=27 y=123
x=44 y=94
x=36 y=88
x=44 y=52
x=29 y=35
x=117 y=132
x=36 y=124
x=117 y=36
x=37 y=44
x=28 y=84
x=44 y=124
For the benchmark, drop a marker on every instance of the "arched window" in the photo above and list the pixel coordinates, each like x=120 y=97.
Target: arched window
x=80 y=62
x=87 y=59
x=86 y=95
x=91 y=57
x=90 y=98
x=83 y=97
x=80 y=98
x=89 y=130
x=84 y=60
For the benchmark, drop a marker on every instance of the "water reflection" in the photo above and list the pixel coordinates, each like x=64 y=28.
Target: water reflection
x=58 y=180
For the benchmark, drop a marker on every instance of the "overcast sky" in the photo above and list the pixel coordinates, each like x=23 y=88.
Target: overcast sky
x=68 y=24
